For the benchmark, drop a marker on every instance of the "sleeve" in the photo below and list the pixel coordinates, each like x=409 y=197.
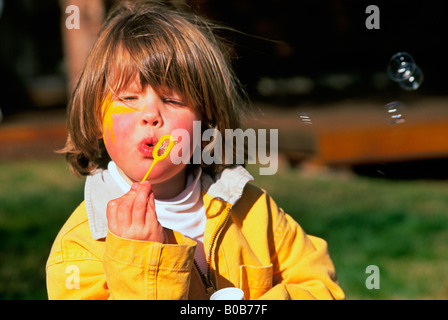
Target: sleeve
x=129 y=269
x=76 y=280
x=148 y=270
x=302 y=265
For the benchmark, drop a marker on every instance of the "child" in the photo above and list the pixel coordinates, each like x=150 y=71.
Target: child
x=190 y=229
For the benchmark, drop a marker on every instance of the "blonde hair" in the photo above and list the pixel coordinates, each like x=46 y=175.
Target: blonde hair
x=163 y=46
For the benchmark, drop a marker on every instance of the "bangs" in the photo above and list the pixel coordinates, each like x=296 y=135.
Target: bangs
x=121 y=72
x=146 y=53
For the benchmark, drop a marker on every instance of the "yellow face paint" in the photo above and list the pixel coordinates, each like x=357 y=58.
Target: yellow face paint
x=109 y=110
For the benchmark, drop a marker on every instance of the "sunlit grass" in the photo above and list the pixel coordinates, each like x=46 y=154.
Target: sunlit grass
x=400 y=226
x=36 y=197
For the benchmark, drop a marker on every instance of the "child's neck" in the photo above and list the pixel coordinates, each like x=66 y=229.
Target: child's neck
x=170 y=188
x=164 y=190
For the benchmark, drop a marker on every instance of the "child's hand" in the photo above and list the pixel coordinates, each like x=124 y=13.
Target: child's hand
x=133 y=216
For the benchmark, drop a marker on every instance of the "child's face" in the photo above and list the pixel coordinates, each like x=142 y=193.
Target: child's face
x=133 y=122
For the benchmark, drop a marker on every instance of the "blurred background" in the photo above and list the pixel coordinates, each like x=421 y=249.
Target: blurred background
x=362 y=161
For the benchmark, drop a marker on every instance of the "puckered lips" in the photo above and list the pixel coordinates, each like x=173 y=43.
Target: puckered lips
x=146 y=146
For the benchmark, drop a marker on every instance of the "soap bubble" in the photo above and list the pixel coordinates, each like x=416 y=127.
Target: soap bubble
x=163 y=147
x=414 y=81
x=401 y=66
x=395 y=112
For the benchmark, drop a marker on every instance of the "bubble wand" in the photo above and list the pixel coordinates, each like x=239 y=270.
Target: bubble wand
x=165 y=144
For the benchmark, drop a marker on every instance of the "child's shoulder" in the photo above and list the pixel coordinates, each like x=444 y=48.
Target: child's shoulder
x=77 y=220
x=255 y=200
x=252 y=192
x=75 y=233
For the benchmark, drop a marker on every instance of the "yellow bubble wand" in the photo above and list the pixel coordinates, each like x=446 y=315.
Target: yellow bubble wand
x=164 y=145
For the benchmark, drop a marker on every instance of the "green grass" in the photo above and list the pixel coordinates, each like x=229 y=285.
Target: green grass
x=400 y=226
x=36 y=198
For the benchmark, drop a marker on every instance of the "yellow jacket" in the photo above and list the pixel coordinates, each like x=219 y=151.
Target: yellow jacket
x=250 y=243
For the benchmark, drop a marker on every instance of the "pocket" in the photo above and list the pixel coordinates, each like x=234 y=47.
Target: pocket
x=255 y=281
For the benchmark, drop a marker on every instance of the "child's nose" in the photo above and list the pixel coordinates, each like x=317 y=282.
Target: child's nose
x=151 y=118
x=152 y=106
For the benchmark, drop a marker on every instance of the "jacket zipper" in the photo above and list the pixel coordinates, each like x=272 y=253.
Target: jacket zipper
x=206 y=278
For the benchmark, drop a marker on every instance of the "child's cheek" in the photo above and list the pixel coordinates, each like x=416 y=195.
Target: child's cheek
x=185 y=135
x=115 y=121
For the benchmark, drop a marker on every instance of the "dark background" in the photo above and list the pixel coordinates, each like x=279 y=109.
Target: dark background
x=278 y=39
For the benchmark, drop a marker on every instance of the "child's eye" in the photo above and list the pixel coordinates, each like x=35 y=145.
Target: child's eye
x=128 y=98
x=173 y=101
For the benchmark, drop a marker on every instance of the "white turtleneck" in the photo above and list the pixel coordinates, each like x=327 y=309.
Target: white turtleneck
x=184 y=213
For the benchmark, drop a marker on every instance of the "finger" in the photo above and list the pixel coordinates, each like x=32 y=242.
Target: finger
x=134 y=188
x=151 y=215
x=140 y=203
x=124 y=212
x=111 y=213
x=152 y=224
